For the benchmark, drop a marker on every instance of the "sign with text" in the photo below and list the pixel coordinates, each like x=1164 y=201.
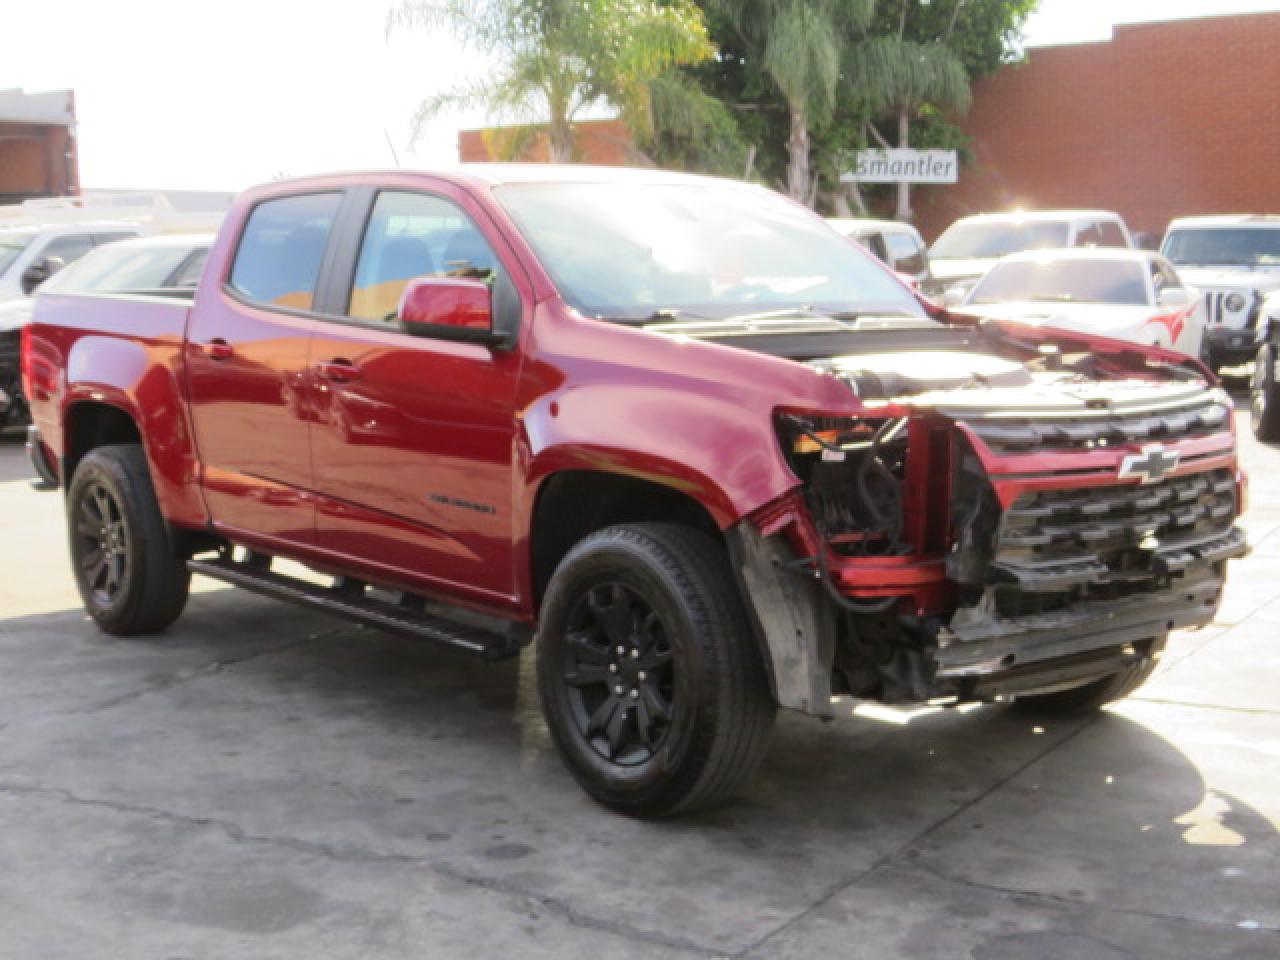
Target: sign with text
x=904 y=166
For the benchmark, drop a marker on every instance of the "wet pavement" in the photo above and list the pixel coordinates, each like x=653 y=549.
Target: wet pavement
x=266 y=782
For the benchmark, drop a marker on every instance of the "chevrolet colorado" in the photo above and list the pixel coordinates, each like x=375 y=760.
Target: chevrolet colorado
x=711 y=458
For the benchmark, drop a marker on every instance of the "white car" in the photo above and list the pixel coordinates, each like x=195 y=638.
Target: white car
x=969 y=247
x=169 y=264
x=1235 y=260
x=1132 y=295
x=893 y=242
x=30 y=254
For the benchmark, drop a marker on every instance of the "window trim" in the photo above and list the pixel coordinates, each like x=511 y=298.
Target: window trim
x=341 y=272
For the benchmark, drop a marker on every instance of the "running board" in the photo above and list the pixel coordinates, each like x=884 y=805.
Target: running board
x=349 y=599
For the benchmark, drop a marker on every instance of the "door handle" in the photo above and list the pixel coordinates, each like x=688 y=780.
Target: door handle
x=219 y=349
x=338 y=371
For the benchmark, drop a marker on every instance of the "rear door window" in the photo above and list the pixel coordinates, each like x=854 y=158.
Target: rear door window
x=282 y=248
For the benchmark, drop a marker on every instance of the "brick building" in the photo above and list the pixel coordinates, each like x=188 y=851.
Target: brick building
x=37 y=145
x=1165 y=119
x=605 y=142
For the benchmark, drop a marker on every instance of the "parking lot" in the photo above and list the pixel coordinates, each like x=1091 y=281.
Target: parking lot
x=265 y=782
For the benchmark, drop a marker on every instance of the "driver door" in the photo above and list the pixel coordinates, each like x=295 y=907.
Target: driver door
x=413 y=439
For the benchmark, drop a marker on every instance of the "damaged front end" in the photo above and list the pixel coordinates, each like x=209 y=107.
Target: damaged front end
x=989 y=539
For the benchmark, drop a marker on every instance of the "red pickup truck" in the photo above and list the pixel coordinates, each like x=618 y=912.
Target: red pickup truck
x=710 y=454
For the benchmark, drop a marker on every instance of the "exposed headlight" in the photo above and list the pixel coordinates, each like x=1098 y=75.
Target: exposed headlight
x=1234 y=302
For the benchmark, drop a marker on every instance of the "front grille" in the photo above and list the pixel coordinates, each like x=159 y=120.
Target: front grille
x=1217 y=313
x=1061 y=547
x=1015 y=435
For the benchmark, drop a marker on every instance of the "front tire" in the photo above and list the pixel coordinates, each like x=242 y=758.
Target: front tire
x=650 y=679
x=130 y=575
x=1264 y=396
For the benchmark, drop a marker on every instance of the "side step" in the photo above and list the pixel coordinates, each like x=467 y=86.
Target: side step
x=350 y=600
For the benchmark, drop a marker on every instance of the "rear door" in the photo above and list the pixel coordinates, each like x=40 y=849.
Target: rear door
x=414 y=438
x=247 y=358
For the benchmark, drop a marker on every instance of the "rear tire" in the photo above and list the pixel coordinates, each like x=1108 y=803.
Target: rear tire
x=1264 y=396
x=650 y=678
x=128 y=570
x=1092 y=696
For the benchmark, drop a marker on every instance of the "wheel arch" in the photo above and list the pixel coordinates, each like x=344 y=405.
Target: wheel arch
x=89 y=424
x=573 y=503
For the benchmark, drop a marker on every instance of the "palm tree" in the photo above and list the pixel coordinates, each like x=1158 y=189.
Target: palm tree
x=800 y=45
x=900 y=77
x=554 y=58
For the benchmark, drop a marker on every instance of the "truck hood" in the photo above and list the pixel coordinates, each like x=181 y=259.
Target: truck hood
x=962 y=360
x=962 y=385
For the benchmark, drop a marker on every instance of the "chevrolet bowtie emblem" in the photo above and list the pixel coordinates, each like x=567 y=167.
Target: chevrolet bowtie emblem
x=1152 y=464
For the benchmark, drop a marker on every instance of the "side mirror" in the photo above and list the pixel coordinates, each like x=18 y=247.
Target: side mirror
x=39 y=272
x=953 y=297
x=448 y=308
x=1174 y=297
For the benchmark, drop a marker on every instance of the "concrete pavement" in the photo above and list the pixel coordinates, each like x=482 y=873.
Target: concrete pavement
x=265 y=782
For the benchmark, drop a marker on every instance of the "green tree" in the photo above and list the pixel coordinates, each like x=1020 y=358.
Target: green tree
x=799 y=45
x=918 y=60
x=551 y=59
x=901 y=77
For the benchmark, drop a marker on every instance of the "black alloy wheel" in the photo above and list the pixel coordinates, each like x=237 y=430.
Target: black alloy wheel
x=651 y=681
x=102 y=544
x=128 y=568
x=620 y=673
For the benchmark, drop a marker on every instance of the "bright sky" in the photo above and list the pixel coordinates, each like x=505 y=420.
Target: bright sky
x=223 y=95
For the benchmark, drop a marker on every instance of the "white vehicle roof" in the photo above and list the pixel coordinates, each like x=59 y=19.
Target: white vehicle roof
x=1034 y=216
x=165 y=240
x=1257 y=221
x=61 y=229
x=868 y=225
x=1117 y=254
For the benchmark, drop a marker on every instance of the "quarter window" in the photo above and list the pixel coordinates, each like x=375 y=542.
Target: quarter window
x=281 y=250
x=414 y=235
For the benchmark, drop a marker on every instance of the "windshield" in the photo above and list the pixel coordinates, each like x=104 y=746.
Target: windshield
x=1066 y=281
x=124 y=266
x=976 y=240
x=631 y=252
x=1216 y=246
x=12 y=243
